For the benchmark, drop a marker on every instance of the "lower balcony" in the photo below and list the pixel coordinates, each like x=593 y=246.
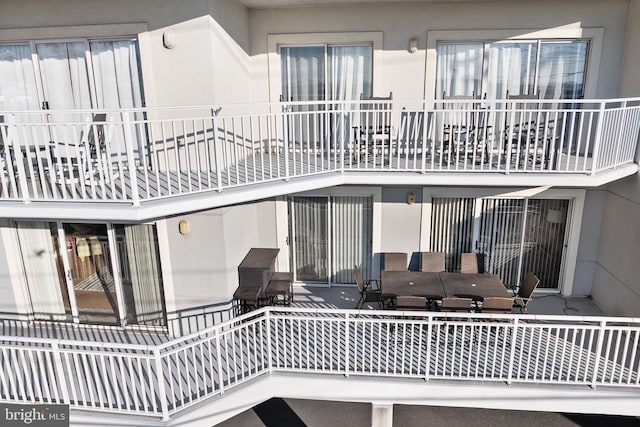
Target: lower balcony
x=134 y=163
x=220 y=370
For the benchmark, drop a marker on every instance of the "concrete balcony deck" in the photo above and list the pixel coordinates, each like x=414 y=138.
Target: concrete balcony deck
x=135 y=164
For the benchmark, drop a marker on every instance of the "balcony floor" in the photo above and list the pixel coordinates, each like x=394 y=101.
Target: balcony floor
x=346 y=297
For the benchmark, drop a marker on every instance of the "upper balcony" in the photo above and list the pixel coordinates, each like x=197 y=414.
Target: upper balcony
x=132 y=164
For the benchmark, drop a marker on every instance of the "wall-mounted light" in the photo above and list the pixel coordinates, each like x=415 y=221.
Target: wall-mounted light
x=169 y=39
x=555 y=216
x=413 y=45
x=183 y=227
x=411 y=198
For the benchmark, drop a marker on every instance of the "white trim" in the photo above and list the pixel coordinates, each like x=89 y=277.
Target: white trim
x=576 y=207
x=164 y=249
x=274 y=41
x=70 y=32
x=282 y=233
x=17 y=276
x=594 y=35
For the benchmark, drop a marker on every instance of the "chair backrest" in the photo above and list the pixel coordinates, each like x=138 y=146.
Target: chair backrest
x=456 y=304
x=395 y=261
x=458 y=109
x=497 y=305
x=411 y=302
x=471 y=263
x=375 y=118
x=358 y=278
x=432 y=261
x=523 y=108
x=529 y=284
x=95 y=135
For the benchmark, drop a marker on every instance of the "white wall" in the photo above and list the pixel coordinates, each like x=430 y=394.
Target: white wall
x=203 y=263
x=8 y=305
x=616 y=288
x=404 y=72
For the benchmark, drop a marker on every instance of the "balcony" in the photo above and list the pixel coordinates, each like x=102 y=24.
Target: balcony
x=132 y=164
x=578 y=358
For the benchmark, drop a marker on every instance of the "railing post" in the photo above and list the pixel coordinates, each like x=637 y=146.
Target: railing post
x=596 y=366
x=61 y=377
x=164 y=407
x=597 y=138
x=14 y=141
x=429 y=333
x=133 y=169
x=342 y=137
x=285 y=139
x=512 y=350
x=216 y=154
x=620 y=128
x=269 y=343
x=219 y=360
x=424 y=139
x=347 y=345
x=509 y=141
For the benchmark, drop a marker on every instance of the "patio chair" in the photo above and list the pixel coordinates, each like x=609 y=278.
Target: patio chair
x=367 y=294
x=395 y=261
x=496 y=305
x=471 y=263
x=523 y=297
x=410 y=303
x=458 y=124
x=432 y=262
x=454 y=304
x=374 y=131
x=524 y=129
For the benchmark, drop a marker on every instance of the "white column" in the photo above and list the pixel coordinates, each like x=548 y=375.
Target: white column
x=381 y=415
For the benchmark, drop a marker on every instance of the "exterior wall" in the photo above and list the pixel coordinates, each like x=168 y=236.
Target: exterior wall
x=9 y=306
x=208 y=33
x=203 y=264
x=616 y=288
x=400 y=222
x=589 y=241
x=404 y=73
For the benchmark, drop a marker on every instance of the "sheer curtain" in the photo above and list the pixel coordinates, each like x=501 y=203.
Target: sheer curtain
x=117 y=77
x=511 y=69
x=18 y=84
x=303 y=73
x=561 y=69
x=459 y=69
x=352 y=219
x=144 y=272
x=39 y=262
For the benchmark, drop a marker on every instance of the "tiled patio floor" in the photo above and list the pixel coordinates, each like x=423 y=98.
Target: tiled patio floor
x=347 y=297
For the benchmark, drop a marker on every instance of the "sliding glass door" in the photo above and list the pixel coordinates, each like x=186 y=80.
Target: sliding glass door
x=328 y=236
x=516 y=235
x=93 y=273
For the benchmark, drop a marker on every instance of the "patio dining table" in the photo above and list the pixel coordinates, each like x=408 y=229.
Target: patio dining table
x=474 y=286
x=412 y=283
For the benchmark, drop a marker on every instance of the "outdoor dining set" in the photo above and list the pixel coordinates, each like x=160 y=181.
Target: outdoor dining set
x=433 y=288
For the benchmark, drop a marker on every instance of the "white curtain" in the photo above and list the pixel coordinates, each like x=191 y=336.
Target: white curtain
x=511 y=69
x=303 y=73
x=561 y=69
x=39 y=259
x=116 y=72
x=459 y=69
x=352 y=219
x=349 y=72
x=18 y=83
x=144 y=269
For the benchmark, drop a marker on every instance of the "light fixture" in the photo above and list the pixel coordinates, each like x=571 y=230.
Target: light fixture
x=555 y=216
x=411 y=198
x=413 y=45
x=169 y=39
x=183 y=227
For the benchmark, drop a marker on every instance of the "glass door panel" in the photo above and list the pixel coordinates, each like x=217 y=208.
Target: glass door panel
x=310 y=238
x=452 y=222
x=352 y=224
x=91 y=270
x=43 y=269
x=18 y=90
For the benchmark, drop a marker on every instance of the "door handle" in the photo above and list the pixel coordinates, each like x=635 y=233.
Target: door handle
x=45 y=105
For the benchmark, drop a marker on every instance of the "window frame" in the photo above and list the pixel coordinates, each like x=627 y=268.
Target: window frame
x=594 y=36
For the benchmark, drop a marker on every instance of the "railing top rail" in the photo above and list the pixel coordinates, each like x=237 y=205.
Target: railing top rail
x=354 y=315
x=212 y=107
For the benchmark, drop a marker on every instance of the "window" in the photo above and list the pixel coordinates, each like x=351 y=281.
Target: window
x=553 y=68
x=71 y=272
x=326 y=72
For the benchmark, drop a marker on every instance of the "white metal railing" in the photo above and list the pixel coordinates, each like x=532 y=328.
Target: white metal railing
x=163 y=379
x=136 y=155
